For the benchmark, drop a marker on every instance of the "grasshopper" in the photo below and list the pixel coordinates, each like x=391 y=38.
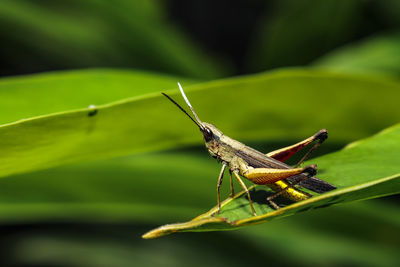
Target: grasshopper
x=259 y=168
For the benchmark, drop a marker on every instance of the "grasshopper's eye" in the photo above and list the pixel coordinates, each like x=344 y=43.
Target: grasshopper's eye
x=208 y=135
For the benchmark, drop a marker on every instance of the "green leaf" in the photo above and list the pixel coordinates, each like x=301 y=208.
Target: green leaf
x=366 y=169
x=41 y=94
x=379 y=54
x=280 y=105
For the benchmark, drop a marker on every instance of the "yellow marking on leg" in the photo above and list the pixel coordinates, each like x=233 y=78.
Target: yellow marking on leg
x=264 y=176
x=290 y=193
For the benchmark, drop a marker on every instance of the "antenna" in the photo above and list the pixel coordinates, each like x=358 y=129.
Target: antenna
x=184 y=111
x=188 y=103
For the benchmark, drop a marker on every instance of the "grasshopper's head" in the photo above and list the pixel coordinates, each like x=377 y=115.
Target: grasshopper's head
x=211 y=134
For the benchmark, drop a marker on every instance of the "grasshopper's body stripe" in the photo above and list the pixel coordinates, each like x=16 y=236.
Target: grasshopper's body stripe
x=253 y=157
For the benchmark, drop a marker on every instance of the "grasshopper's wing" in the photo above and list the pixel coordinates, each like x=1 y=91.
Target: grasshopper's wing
x=313 y=184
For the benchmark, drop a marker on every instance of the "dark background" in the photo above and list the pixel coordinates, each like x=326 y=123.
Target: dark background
x=232 y=37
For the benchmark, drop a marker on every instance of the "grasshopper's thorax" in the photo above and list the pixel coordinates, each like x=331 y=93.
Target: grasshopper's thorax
x=219 y=146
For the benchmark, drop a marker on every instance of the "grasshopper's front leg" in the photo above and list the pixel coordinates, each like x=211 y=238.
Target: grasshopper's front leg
x=231 y=184
x=221 y=175
x=236 y=174
x=236 y=166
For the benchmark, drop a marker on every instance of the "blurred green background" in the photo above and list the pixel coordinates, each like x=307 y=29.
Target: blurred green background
x=94 y=213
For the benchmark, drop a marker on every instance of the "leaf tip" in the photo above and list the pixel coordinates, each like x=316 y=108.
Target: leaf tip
x=154 y=234
x=178 y=227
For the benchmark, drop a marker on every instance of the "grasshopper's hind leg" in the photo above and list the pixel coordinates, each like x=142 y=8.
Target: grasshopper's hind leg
x=286 y=152
x=275 y=178
x=264 y=176
x=289 y=189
